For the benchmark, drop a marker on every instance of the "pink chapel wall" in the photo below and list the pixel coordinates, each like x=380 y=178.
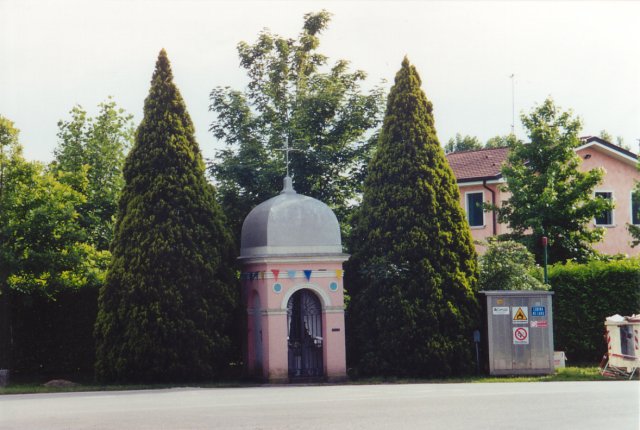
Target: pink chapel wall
x=272 y=362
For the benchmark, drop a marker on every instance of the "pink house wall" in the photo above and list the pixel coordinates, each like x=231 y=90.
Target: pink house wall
x=620 y=178
x=481 y=233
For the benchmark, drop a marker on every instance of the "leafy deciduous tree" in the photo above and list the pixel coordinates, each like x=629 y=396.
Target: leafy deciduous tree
x=550 y=196
x=42 y=247
x=164 y=310
x=413 y=271
x=462 y=143
x=501 y=141
x=293 y=99
x=95 y=148
x=605 y=135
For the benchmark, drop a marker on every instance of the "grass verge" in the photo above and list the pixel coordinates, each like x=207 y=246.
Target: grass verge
x=563 y=374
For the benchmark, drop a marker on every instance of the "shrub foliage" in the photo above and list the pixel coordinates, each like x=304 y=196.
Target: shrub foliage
x=54 y=338
x=585 y=294
x=413 y=272
x=165 y=309
x=508 y=265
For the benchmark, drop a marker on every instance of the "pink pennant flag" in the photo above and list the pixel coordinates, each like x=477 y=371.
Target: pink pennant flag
x=275 y=272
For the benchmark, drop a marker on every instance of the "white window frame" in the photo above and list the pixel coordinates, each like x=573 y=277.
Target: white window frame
x=631 y=207
x=466 y=208
x=613 y=212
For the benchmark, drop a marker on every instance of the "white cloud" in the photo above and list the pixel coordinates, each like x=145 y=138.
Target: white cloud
x=55 y=54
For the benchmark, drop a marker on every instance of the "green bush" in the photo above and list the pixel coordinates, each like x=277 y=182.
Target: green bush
x=508 y=265
x=53 y=338
x=413 y=271
x=585 y=294
x=165 y=312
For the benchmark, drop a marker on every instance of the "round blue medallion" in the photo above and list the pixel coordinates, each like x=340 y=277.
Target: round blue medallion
x=333 y=286
x=277 y=288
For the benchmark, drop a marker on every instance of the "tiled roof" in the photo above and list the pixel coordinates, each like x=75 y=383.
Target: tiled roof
x=470 y=166
x=586 y=140
x=478 y=165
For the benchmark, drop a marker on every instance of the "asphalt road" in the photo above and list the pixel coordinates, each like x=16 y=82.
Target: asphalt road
x=612 y=405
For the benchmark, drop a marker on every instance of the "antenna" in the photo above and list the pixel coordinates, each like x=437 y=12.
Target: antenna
x=513 y=104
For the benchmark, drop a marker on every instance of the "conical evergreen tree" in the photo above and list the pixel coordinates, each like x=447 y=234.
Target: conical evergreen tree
x=165 y=308
x=413 y=271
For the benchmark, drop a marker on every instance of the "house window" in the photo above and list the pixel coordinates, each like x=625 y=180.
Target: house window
x=606 y=217
x=635 y=207
x=475 y=214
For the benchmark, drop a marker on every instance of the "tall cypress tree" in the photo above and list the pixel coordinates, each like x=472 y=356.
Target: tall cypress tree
x=413 y=271
x=165 y=308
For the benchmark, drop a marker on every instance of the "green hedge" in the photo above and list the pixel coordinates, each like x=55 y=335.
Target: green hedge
x=585 y=294
x=54 y=338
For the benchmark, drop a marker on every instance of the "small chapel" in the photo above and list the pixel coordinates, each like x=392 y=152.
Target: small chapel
x=292 y=289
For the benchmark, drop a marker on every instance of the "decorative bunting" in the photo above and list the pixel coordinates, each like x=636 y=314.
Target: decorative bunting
x=253 y=276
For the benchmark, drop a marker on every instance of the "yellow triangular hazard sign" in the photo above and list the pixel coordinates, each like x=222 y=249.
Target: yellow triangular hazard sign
x=520 y=315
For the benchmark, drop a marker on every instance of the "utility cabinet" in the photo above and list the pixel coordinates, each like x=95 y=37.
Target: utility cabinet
x=518 y=332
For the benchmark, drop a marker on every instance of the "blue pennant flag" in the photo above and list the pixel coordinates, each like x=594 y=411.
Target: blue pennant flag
x=307 y=274
x=291 y=273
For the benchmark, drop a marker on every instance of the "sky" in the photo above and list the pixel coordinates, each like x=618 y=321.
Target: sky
x=585 y=55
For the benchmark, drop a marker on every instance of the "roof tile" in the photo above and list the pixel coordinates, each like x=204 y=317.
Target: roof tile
x=478 y=165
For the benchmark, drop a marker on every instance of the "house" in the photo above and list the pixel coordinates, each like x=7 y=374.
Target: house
x=479 y=178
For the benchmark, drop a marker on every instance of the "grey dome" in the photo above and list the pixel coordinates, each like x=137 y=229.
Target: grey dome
x=290 y=224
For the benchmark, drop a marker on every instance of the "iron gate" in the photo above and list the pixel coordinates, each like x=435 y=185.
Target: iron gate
x=304 y=323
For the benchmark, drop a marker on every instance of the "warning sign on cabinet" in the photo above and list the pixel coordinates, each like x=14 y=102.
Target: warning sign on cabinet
x=520 y=335
x=501 y=310
x=520 y=314
x=539 y=324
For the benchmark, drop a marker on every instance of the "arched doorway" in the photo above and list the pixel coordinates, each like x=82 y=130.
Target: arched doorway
x=305 y=342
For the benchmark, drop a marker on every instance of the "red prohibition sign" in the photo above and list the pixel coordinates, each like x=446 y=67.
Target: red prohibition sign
x=520 y=334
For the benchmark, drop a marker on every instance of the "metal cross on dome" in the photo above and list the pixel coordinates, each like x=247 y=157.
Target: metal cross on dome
x=287 y=149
